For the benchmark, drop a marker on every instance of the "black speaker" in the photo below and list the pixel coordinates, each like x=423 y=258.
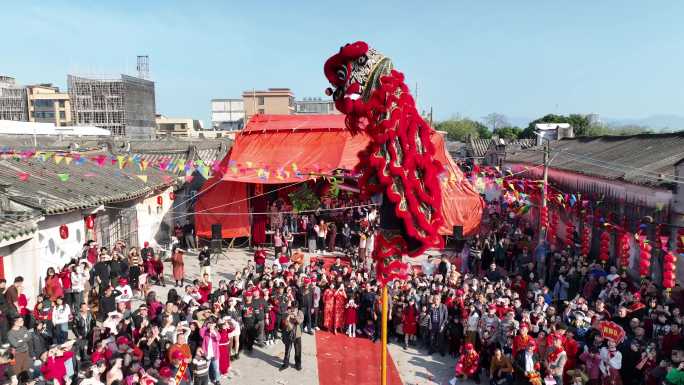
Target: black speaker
x=458 y=232
x=216 y=245
x=216 y=232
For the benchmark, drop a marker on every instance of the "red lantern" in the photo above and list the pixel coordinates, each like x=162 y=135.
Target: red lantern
x=89 y=222
x=63 y=232
x=624 y=250
x=570 y=235
x=585 y=240
x=160 y=200
x=644 y=256
x=553 y=228
x=604 y=251
x=544 y=217
x=172 y=196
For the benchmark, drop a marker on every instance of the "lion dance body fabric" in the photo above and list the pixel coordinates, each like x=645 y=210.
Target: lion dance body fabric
x=399 y=162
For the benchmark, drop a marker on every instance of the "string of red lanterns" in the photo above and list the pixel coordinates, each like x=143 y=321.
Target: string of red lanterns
x=604 y=249
x=624 y=250
x=644 y=256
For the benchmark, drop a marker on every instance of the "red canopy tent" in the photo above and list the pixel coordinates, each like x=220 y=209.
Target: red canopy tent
x=285 y=149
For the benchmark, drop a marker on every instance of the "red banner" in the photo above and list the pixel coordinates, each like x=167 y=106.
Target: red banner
x=612 y=331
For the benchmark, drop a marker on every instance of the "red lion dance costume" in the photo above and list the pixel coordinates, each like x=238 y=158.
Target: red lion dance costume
x=398 y=163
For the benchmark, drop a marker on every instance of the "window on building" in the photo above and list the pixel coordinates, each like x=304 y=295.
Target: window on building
x=260 y=100
x=61 y=104
x=261 y=111
x=42 y=103
x=62 y=115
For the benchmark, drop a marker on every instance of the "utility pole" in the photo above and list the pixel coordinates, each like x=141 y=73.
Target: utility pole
x=545 y=185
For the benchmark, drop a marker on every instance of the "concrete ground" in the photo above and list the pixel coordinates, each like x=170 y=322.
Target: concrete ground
x=414 y=366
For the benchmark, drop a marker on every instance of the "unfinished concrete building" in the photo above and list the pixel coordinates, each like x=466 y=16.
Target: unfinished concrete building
x=125 y=105
x=13 y=100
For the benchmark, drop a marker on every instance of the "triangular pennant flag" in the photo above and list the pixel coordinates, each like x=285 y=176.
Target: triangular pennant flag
x=142 y=178
x=249 y=164
x=143 y=164
x=99 y=160
x=189 y=178
x=63 y=177
x=121 y=160
x=294 y=167
x=167 y=178
x=68 y=160
x=23 y=176
x=58 y=158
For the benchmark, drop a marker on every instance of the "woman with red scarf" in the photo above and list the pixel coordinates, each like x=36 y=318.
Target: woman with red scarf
x=53 y=285
x=329 y=309
x=340 y=304
x=556 y=360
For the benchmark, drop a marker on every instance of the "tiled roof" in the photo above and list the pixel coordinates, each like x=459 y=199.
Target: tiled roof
x=478 y=147
x=87 y=184
x=647 y=159
x=16 y=224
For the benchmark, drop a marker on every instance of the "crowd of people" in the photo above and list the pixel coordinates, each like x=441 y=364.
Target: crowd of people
x=508 y=309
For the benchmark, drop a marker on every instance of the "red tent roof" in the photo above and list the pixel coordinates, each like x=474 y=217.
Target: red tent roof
x=287 y=148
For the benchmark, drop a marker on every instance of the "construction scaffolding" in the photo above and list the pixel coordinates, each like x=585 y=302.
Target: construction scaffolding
x=13 y=100
x=122 y=104
x=98 y=102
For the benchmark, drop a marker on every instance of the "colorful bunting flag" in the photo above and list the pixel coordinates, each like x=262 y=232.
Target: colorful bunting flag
x=23 y=176
x=142 y=178
x=63 y=177
x=58 y=158
x=121 y=159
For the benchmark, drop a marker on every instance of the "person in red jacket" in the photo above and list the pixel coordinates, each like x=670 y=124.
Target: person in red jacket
x=468 y=365
x=53 y=367
x=53 y=285
x=521 y=340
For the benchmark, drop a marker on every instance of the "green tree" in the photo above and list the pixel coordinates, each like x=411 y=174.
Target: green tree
x=508 y=132
x=458 y=129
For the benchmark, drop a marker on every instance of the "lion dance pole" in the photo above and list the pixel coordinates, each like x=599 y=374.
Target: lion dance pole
x=398 y=164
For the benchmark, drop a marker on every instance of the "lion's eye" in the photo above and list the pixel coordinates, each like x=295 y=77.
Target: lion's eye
x=362 y=60
x=342 y=73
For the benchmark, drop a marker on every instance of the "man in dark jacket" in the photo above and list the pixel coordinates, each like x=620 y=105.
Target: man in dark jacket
x=526 y=361
x=39 y=340
x=438 y=319
x=107 y=302
x=84 y=323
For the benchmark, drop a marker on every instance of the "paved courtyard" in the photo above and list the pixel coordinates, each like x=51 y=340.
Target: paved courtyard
x=414 y=366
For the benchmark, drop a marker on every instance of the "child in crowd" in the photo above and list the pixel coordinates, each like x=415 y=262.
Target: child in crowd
x=350 y=318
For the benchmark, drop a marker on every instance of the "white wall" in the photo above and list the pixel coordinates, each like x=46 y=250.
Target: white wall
x=151 y=216
x=55 y=251
x=21 y=259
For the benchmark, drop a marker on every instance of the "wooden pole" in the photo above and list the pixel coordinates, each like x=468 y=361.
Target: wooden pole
x=383 y=364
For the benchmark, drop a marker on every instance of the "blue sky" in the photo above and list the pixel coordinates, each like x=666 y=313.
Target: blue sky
x=521 y=58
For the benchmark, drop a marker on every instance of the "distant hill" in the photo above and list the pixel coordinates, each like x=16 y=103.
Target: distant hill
x=668 y=122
